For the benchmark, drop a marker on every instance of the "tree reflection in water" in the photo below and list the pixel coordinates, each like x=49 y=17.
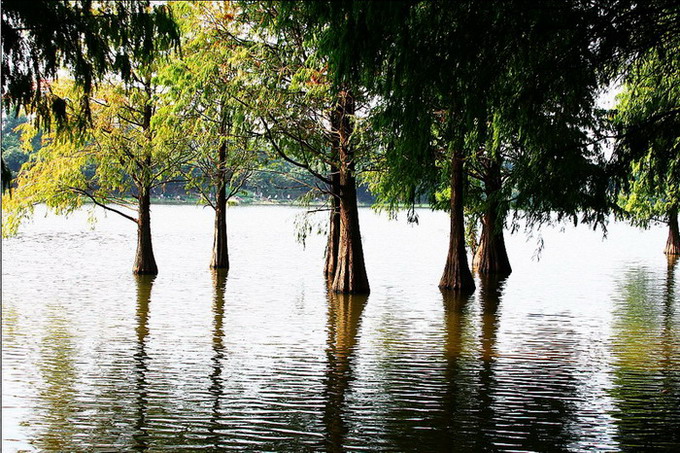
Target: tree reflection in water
x=646 y=348
x=140 y=436
x=344 y=315
x=58 y=372
x=216 y=380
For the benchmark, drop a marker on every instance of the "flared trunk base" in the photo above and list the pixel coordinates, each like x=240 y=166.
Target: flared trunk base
x=145 y=263
x=491 y=257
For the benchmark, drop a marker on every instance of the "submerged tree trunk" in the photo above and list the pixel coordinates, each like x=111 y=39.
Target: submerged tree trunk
x=457 y=274
x=673 y=242
x=491 y=256
x=220 y=251
x=333 y=227
x=145 y=263
x=350 y=271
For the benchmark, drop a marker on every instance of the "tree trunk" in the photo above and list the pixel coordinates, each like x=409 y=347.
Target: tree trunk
x=457 y=274
x=145 y=263
x=220 y=252
x=350 y=271
x=334 y=227
x=673 y=242
x=491 y=257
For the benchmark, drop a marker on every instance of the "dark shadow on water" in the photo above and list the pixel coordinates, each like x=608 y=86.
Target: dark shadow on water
x=489 y=401
x=467 y=401
x=216 y=389
x=344 y=317
x=457 y=398
x=140 y=436
x=490 y=294
x=646 y=343
x=525 y=402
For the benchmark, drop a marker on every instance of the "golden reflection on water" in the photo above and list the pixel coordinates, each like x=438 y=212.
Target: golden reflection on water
x=58 y=377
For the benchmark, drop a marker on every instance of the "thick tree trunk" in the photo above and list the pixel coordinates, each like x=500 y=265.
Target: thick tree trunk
x=145 y=263
x=491 y=257
x=350 y=272
x=220 y=252
x=457 y=274
x=333 y=228
x=673 y=242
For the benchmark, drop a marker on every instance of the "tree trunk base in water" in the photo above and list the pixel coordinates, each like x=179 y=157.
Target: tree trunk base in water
x=672 y=248
x=147 y=271
x=491 y=257
x=350 y=269
x=673 y=242
x=461 y=282
x=145 y=263
x=457 y=275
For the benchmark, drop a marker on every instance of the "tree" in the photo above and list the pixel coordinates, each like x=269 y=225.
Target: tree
x=648 y=148
x=488 y=91
x=397 y=51
x=6 y=177
x=14 y=155
x=206 y=87
x=312 y=124
x=536 y=156
x=89 y=39
x=123 y=156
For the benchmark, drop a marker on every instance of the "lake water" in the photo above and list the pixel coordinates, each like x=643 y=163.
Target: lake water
x=577 y=351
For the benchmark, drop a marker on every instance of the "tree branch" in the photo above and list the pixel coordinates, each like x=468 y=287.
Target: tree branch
x=102 y=205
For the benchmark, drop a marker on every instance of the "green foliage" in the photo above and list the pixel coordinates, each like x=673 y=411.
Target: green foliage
x=14 y=155
x=206 y=87
x=505 y=84
x=113 y=162
x=294 y=98
x=90 y=39
x=647 y=153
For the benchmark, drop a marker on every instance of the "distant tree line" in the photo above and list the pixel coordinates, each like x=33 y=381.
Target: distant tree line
x=484 y=109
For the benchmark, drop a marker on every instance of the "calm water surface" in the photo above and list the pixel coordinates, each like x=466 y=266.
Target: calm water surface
x=578 y=351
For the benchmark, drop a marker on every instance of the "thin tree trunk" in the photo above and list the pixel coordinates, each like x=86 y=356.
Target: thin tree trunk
x=457 y=274
x=673 y=242
x=220 y=252
x=145 y=263
x=350 y=272
x=334 y=227
x=491 y=256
